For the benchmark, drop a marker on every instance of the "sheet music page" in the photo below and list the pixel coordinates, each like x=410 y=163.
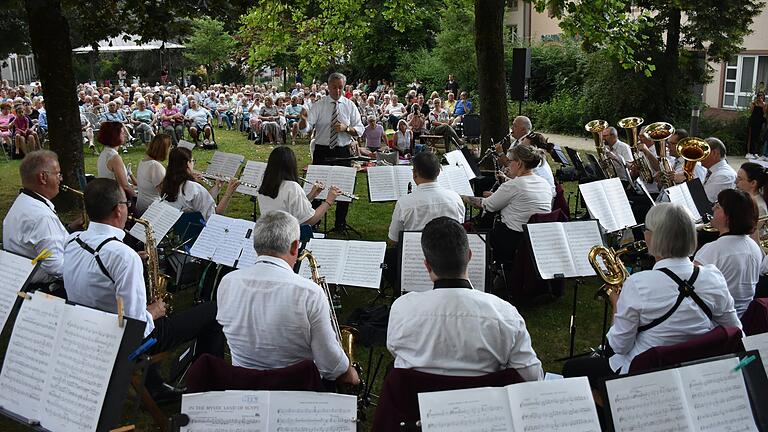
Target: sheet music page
x=476 y=267
x=248 y=256
x=581 y=236
x=231 y=245
x=253 y=173
x=344 y=178
x=30 y=355
x=225 y=411
x=652 y=402
x=467 y=410
x=330 y=255
x=717 y=396
x=557 y=405
x=758 y=342
x=86 y=348
x=646 y=188
x=162 y=216
x=598 y=205
x=618 y=203
x=362 y=264
x=318 y=173
x=309 y=411
x=548 y=242
x=456 y=158
x=381 y=183
x=403 y=176
x=681 y=196
x=413 y=274
x=186 y=144
x=210 y=237
x=15 y=272
x=453 y=178
x=224 y=164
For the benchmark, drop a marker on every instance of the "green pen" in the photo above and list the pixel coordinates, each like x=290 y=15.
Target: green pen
x=745 y=361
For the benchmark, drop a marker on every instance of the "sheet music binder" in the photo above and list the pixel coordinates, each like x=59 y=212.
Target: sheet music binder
x=14 y=308
x=560 y=274
x=111 y=411
x=754 y=377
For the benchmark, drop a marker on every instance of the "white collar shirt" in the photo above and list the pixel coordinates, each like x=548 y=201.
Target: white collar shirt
x=31 y=226
x=274 y=318
x=543 y=170
x=678 y=163
x=622 y=149
x=520 y=198
x=86 y=284
x=319 y=118
x=290 y=198
x=738 y=258
x=428 y=201
x=648 y=295
x=460 y=332
x=720 y=177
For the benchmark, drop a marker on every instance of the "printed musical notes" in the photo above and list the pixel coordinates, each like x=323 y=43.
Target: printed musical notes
x=161 y=216
x=253 y=174
x=681 y=195
x=224 y=164
x=413 y=274
x=59 y=362
x=262 y=411
x=456 y=158
x=389 y=183
x=562 y=247
x=347 y=262
x=607 y=202
x=454 y=178
x=223 y=241
x=341 y=176
x=16 y=270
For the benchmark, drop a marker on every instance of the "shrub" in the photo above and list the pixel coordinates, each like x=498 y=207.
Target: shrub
x=732 y=132
x=561 y=114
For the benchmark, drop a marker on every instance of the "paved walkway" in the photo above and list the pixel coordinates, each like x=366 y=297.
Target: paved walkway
x=588 y=144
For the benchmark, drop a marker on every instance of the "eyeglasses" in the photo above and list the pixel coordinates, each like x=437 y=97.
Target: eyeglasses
x=128 y=204
x=58 y=174
x=193 y=160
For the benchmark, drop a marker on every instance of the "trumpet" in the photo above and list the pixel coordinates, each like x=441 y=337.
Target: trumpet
x=631 y=125
x=81 y=195
x=346 y=194
x=596 y=127
x=693 y=150
x=615 y=273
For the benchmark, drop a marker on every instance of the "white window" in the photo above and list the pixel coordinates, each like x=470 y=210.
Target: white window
x=743 y=74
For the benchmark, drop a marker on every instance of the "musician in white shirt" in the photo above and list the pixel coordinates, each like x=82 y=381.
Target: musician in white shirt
x=32 y=224
x=274 y=318
x=455 y=329
x=720 y=175
x=734 y=253
x=428 y=200
x=616 y=149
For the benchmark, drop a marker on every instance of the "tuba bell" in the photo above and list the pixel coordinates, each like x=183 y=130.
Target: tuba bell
x=693 y=150
x=615 y=273
x=632 y=126
x=596 y=127
x=659 y=132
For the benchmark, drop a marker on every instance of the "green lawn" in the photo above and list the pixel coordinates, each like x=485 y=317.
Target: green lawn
x=548 y=324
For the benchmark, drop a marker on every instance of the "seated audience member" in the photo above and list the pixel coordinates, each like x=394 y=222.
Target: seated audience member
x=417 y=121
x=143 y=120
x=270 y=117
x=274 y=318
x=32 y=225
x=182 y=191
x=110 y=165
x=403 y=141
x=292 y=114
x=151 y=172
x=462 y=107
x=225 y=109
x=428 y=200
x=199 y=120
x=455 y=329
x=26 y=138
x=516 y=200
x=6 y=125
x=440 y=124
x=395 y=111
x=647 y=296
x=280 y=189
x=720 y=175
x=734 y=253
x=374 y=135
x=171 y=121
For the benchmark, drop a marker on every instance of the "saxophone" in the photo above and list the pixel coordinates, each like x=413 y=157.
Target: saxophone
x=80 y=195
x=157 y=282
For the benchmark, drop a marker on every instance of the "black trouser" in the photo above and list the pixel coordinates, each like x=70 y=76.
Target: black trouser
x=198 y=323
x=504 y=242
x=320 y=157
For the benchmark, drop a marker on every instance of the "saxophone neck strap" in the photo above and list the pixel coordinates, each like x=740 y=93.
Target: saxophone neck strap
x=685 y=289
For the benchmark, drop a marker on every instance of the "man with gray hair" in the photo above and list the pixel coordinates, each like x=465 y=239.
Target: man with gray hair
x=720 y=175
x=274 y=318
x=32 y=224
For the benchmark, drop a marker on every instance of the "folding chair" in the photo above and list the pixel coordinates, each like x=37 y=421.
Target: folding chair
x=755 y=318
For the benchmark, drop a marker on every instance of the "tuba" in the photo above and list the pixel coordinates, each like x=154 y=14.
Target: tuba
x=632 y=126
x=693 y=150
x=80 y=195
x=596 y=127
x=157 y=282
x=615 y=273
x=659 y=132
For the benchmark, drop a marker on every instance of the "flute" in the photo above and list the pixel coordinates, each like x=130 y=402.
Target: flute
x=346 y=194
x=207 y=177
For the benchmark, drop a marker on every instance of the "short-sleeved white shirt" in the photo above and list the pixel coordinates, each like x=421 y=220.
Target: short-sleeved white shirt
x=149 y=175
x=193 y=197
x=427 y=202
x=290 y=198
x=738 y=258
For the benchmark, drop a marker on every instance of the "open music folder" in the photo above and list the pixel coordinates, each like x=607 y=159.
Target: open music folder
x=607 y=202
x=267 y=411
x=347 y=262
x=16 y=271
x=66 y=367
x=681 y=195
x=530 y=406
x=711 y=395
x=413 y=274
x=758 y=342
x=341 y=176
x=389 y=183
x=454 y=178
x=225 y=240
x=224 y=164
x=561 y=248
x=161 y=216
x=456 y=158
x=253 y=174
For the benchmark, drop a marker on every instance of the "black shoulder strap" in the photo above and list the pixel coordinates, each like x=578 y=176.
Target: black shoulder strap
x=686 y=289
x=95 y=253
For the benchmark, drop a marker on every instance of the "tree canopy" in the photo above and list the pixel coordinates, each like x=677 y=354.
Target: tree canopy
x=209 y=44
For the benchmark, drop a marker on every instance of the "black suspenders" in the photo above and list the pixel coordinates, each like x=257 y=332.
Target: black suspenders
x=95 y=253
x=685 y=289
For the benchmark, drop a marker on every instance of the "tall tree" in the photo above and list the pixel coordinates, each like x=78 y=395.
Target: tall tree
x=492 y=83
x=209 y=44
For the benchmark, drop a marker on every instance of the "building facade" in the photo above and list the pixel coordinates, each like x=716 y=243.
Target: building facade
x=18 y=69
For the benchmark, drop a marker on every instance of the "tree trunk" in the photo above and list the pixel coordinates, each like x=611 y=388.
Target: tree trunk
x=49 y=34
x=491 y=74
x=670 y=68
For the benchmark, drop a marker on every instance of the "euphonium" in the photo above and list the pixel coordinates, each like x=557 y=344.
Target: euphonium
x=596 y=127
x=632 y=126
x=659 y=132
x=81 y=195
x=693 y=150
x=615 y=273
x=157 y=282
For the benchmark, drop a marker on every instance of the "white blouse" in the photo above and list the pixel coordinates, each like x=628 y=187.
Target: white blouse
x=149 y=175
x=102 y=170
x=193 y=197
x=290 y=198
x=519 y=199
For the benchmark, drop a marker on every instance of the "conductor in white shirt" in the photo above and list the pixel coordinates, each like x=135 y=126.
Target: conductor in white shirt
x=274 y=318
x=336 y=121
x=720 y=175
x=455 y=329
